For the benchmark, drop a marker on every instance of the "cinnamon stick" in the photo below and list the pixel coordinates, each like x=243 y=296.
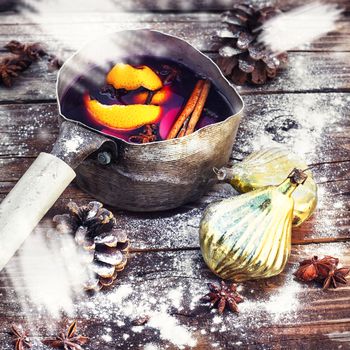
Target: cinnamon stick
x=198 y=108
x=186 y=112
x=184 y=127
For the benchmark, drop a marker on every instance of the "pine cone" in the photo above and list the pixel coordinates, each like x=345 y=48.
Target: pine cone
x=242 y=57
x=106 y=246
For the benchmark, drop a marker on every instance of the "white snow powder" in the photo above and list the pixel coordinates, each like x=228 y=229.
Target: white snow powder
x=299 y=26
x=171 y=330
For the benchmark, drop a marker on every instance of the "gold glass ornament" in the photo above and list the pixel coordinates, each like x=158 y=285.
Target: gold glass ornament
x=249 y=236
x=270 y=166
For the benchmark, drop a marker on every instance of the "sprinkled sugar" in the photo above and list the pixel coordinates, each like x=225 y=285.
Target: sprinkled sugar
x=72 y=145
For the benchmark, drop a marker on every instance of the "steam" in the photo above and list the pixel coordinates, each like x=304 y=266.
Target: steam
x=47 y=274
x=299 y=26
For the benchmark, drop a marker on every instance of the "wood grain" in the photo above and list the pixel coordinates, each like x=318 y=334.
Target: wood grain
x=35 y=6
x=327 y=225
x=326 y=70
x=303 y=309
x=155 y=5
x=31 y=128
x=313 y=91
x=66 y=30
x=306 y=72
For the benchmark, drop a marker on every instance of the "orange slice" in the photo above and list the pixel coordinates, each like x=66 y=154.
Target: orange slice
x=125 y=76
x=122 y=117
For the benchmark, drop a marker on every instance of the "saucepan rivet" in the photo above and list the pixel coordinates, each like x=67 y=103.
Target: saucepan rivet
x=104 y=158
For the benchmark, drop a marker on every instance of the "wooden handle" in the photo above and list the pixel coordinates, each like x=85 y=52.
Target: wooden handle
x=29 y=200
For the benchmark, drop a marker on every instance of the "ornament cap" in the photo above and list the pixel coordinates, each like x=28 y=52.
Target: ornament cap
x=224 y=174
x=297 y=176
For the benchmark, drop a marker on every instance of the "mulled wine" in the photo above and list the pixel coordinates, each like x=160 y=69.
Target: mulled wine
x=144 y=99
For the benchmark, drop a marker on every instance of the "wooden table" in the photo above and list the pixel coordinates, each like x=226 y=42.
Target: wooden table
x=166 y=273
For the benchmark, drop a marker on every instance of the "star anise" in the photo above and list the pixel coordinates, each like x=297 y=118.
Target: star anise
x=54 y=62
x=223 y=296
x=313 y=268
x=336 y=276
x=169 y=74
x=140 y=321
x=149 y=134
x=10 y=67
x=324 y=271
x=20 y=338
x=23 y=55
x=67 y=341
x=32 y=51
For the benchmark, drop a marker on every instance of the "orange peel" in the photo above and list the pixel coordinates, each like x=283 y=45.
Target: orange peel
x=122 y=117
x=125 y=76
x=159 y=97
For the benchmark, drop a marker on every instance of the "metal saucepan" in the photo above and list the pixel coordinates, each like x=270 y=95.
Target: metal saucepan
x=139 y=177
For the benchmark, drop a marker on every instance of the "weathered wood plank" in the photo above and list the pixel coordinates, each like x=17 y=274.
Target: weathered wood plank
x=320 y=129
x=58 y=36
x=212 y=5
x=276 y=313
x=63 y=35
x=309 y=72
x=322 y=137
x=279 y=312
x=306 y=72
x=152 y=5
x=317 y=125
x=69 y=29
x=178 y=229
x=98 y=17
